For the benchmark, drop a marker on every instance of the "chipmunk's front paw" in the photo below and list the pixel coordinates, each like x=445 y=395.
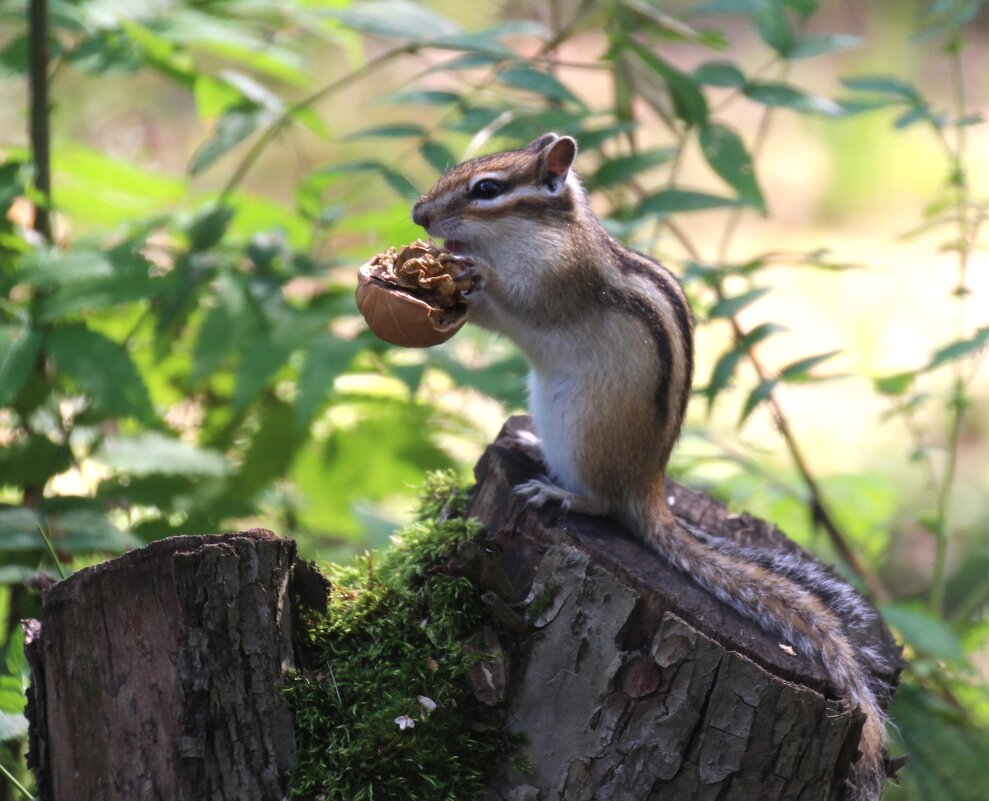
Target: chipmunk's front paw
x=469 y=274
x=539 y=493
x=527 y=442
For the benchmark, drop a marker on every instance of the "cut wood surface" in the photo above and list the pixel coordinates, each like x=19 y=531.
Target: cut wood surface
x=631 y=683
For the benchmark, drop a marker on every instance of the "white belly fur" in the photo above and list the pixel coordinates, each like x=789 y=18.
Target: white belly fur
x=553 y=403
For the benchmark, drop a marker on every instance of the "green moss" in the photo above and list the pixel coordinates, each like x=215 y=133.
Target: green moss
x=396 y=629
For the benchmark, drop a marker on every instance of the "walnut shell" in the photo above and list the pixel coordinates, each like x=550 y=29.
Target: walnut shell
x=412 y=297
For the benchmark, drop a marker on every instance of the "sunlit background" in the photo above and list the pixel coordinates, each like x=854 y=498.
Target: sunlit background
x=161 y=109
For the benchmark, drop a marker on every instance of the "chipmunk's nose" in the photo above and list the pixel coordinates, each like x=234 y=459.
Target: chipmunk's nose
x=419 y=215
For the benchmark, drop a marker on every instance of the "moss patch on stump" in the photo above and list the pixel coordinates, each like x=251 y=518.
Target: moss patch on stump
x=388 y=710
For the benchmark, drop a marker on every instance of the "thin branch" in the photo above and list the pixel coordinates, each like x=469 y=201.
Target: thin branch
x=40 y=133
x=959 y=399
x=284 y=120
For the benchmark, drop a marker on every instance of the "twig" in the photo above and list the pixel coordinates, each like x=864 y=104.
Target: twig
x=13 y=780
x=280 y=123
x=958 y=404
x=40 y=134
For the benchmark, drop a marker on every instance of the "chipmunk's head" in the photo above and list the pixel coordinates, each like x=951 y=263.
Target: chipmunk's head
x=512 y=197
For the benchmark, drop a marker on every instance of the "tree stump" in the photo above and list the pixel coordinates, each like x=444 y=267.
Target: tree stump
x=631 y=683
x=157 y=675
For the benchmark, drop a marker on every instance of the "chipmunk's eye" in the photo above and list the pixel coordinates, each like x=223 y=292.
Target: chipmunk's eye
x=486 y=189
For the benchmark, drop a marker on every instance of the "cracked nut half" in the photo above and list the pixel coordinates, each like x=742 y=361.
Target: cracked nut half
x=414 y=297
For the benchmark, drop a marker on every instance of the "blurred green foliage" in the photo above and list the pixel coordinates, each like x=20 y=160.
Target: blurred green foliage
x=181 y=354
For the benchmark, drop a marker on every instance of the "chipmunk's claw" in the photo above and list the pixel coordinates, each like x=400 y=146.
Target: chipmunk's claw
x=539 y=493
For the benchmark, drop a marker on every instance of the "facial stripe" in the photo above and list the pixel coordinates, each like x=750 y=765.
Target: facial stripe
x=518 y=192
x=529 y=204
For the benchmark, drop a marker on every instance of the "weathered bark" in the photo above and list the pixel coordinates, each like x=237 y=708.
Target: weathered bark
x=157 y=675
x=631 y=683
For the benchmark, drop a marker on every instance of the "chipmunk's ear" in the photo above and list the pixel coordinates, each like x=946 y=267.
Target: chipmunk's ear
x=556 y=156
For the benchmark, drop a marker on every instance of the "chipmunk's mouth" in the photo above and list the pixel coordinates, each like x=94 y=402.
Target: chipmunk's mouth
x=455 y=246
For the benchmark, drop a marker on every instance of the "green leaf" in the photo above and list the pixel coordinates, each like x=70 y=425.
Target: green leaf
x=14 y=574
x=504 y=379
x=152 y=453
x=810 y=45
x=468 y=61
x=160 y=53
x=19 y=345
x=102 y=369
x=719 y=73
x=948 y=751
x=263 y=359
x=53 y=268
x=400 y=183
x=728 y=7
x=688 y=99
x=722 y=374
x=275 y=437
x=802 y=7
x=398 y=19
x=799 y=370
x=760 y=394
x=225 y=325
x=34 y=460
x=95 y=281
x=728 y=157
x=437 y=156
x=913 y=115
x=397 y=131
x=959 y=349
x=540 y=83
x=19 y=529
x=893 y=385
x=672 y=201
x=623 y=168
x=87 y=531
x=928 y=634
x=474 y=119
x=780 y=95
x=761 y=332
x=426 y=97
x=232 y=128
x=327 y=358
x=209 y=226
x=396 y=180
x=730 y=306
x=774 y=26
x=213 y=97
x=891 y=86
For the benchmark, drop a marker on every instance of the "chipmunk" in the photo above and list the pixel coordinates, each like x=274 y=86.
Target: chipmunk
x=608 y=334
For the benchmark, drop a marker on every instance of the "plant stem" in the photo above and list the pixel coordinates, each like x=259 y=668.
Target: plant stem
x=13 y=780
x=958 y=403
x=40 y=133
x=285 y=118
x=819 y=510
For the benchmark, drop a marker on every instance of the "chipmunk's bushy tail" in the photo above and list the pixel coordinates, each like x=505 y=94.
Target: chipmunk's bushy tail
x=782 y=593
